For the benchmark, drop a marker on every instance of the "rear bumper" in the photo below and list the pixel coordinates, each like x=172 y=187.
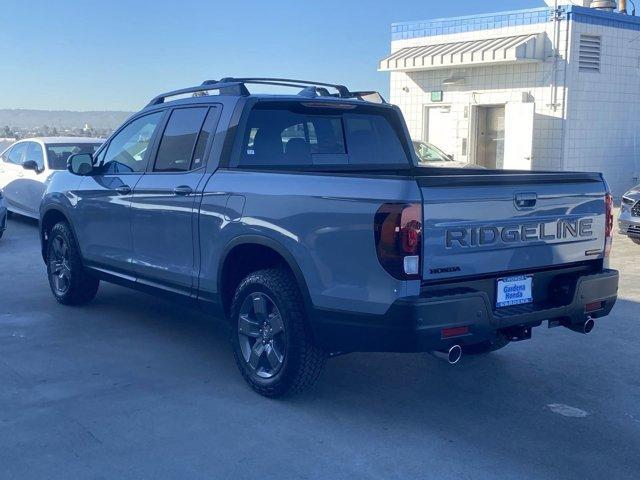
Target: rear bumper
x=415 y=324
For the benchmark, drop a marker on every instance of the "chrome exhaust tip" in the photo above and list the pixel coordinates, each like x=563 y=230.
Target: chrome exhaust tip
x=585 y=327
x=451 y=356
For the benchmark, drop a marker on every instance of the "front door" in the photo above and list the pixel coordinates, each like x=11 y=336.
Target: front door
x=490 y=134
x=32 y=184
x=164 y=204
x=103 y=222
x=11 y=172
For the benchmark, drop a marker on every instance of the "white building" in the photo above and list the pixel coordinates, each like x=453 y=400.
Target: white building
x=543 y=88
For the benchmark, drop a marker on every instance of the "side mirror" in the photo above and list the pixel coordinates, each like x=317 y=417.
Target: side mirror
x=80 y=164
x=31 y=165
x=451 y=157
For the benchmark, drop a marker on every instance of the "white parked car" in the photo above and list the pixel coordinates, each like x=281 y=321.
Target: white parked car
x=27 y=164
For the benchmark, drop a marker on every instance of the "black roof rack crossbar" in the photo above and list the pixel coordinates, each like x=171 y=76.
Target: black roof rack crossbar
x=236 y=87
x=225 y=88
x=288 y=82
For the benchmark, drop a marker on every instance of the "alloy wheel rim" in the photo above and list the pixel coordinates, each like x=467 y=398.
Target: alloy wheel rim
x=261 y=334
x=59 y=268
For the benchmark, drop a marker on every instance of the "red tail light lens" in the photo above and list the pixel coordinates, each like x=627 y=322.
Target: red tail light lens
x=398 y=237
x=608 y=229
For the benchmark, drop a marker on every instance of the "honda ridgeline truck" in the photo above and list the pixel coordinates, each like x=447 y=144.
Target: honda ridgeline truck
x=306 y=220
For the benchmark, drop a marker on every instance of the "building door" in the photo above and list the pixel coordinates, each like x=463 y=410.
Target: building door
x=490 y=136
x=439 y=128
x=518 y=136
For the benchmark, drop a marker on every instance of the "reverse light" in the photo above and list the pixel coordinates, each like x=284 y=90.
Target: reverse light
x=398 y=237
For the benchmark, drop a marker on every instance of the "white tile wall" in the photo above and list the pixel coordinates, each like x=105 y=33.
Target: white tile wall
x=487 y=85
x=598 y=129
x=603 y=118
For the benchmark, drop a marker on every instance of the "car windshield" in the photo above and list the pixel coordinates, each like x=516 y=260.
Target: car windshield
x=430 y=153
x=58 y=153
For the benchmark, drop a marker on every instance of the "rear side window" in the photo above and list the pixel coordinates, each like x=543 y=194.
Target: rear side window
x=299 y=136
x=372 y=139
x=179 y=140
x=59 y=153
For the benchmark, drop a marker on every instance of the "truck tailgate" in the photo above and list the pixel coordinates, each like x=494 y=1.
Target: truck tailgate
x=497 y=223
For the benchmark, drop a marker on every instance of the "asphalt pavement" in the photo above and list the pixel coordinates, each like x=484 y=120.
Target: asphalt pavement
x=133 y=387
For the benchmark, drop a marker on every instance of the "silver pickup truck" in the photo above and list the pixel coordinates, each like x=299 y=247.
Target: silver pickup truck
x=308 y=222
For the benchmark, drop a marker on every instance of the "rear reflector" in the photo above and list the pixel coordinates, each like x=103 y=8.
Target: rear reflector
x=592 y=307
x=454 y=332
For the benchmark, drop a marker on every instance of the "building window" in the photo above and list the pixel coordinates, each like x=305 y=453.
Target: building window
x=589 y=56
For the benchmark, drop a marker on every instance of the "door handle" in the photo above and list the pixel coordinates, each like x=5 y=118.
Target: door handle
x=525 y=200
x=124 y=190
x=183 y=190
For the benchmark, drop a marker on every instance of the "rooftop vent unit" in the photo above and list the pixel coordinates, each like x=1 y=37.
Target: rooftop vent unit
x=608 y=5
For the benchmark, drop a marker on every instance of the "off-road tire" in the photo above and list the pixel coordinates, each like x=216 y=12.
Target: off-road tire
x=82 y=286
x=303 y=361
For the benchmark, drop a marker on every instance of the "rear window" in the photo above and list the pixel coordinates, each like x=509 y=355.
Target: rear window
x=58 y=153
x=306 y=136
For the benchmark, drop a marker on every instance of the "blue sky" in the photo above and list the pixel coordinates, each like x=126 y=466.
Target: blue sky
x=115 y=55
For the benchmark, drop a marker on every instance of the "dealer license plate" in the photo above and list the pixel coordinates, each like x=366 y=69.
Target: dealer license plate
x=514 y=291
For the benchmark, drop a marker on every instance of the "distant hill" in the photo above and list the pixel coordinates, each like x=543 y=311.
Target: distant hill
x=61 y=118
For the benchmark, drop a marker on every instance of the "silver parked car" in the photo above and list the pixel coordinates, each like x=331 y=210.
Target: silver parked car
x=629 y=220
x=431 y=156
x=26 y=166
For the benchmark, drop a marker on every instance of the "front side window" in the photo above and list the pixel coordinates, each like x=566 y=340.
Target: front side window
x=34 y=152
x=59 y=153
x=17 y=153
x=127 y=151
x=320 y=136
x=179 y=139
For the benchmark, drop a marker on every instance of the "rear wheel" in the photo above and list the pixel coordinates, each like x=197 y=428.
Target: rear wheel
x=69 y=282
x=636 y=241
x=271 y=338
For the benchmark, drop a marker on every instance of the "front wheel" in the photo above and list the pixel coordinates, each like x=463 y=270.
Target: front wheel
x=636 y=241
x=69 y=282
x=271 y=338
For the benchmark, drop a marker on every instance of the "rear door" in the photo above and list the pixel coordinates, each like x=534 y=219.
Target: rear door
x=164 y=200
x=103 y=218
x=476 y=225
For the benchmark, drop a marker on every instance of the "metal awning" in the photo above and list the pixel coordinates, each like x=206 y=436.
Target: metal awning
x=519 y=48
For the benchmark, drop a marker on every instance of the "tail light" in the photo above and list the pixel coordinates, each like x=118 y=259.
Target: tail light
x=398 y=237
x=608 y=229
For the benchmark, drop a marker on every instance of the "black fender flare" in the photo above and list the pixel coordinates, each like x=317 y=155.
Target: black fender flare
x=43 y=214
x=276 y=247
